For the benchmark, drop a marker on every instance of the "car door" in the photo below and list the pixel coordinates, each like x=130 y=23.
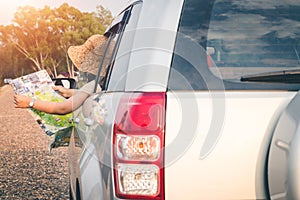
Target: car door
x=89 y=154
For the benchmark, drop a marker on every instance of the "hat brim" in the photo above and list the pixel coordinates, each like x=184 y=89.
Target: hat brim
x=87 y=57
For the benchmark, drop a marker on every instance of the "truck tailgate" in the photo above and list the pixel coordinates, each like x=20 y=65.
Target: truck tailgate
x=217 y=142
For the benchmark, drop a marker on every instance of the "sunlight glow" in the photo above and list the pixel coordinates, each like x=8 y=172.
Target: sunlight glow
x=9 y=7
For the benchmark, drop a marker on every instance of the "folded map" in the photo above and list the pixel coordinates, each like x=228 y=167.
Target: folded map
x=39 y=85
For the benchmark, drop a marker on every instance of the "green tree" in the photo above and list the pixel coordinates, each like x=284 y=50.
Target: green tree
x=104 y=15
x=75 y=27
x=39 y=38
x=11 y=60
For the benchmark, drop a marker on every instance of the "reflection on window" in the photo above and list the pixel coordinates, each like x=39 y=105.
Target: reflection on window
x=228 y=39
x=255 y=33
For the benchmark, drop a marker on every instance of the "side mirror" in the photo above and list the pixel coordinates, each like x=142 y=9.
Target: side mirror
x=69 y=83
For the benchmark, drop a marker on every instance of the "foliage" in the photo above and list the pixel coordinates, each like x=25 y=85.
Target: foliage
x=39 y=38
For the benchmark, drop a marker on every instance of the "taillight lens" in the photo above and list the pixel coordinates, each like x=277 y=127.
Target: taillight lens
x=138 y=147
x=138 y=143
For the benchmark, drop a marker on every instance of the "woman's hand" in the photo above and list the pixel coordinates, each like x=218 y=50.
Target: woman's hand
x=63 y=91
x=21 y=101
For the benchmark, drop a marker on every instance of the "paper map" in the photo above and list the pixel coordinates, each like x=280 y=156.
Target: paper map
x=39 y=85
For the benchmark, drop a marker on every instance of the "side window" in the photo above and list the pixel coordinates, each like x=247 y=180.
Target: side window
x=97 y=61
x=108 y=60
x=116 y=76
x=114 y=35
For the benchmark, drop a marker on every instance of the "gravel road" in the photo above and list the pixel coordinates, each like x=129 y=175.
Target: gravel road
x=27 y=169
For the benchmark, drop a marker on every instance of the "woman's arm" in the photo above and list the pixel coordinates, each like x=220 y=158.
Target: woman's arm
x=64 y=107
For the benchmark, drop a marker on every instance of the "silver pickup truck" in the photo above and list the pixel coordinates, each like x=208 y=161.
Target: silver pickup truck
x=199 y=101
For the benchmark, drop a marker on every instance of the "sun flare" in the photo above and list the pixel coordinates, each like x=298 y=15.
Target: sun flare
x=8 y=8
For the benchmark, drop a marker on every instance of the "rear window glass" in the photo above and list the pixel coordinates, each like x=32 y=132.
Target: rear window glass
x=239 y=38
x=255 y=34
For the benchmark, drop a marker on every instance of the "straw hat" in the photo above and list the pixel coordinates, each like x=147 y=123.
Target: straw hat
x=88 y=56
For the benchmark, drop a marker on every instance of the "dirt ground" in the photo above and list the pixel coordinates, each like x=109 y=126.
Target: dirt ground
x=28 y=170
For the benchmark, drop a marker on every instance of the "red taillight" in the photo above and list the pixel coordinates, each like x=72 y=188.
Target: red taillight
x=138 y=143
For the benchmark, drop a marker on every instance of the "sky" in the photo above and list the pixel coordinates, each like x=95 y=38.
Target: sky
x=9 y=7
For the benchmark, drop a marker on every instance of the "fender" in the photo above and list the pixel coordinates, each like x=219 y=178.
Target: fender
x=284 y=156
x=90 y=174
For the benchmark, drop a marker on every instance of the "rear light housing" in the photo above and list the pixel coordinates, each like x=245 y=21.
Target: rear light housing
x=138 y=146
